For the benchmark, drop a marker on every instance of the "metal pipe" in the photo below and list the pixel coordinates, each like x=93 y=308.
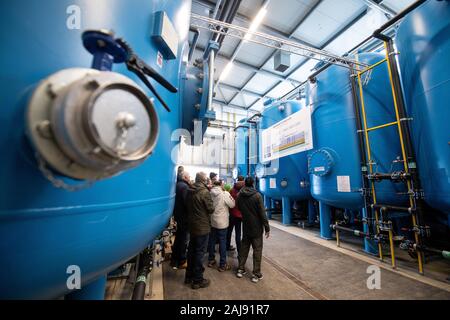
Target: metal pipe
x=196 y=32
x=363 y=157
x=386 y=208
x=376 y=35
x=398 y=17
x=211 y=66
x=380 y=7
x=230 y=18
x=144 y=267
x=357 y=233
x=216 y=9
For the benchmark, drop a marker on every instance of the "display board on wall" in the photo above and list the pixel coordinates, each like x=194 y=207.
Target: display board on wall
x=289 y=136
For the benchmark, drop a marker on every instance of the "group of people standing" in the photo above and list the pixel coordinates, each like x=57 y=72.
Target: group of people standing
x=207 y=214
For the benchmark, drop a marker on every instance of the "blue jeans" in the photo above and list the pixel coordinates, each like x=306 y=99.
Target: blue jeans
x=196 y=252
x=220 y=234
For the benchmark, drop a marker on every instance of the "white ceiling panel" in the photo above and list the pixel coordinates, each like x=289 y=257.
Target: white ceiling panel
x=284 y=15
x=250 y=8
x=304 y=71
x=398 y=5
x=281 y=89
x=254 y=54
x=358 y=32
x=327 y=19
x=261 y=83
x=224 y=94
x=244 y=100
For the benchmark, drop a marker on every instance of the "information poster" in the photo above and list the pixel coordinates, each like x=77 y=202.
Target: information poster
x=289 y=136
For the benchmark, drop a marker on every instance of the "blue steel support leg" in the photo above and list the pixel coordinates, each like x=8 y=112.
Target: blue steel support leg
x=370 y=246
x=311 y=212
x=287 y=213
x=325 y=221
x=92 y=291
x=268 y=205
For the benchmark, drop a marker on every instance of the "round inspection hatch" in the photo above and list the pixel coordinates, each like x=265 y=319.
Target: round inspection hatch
x=121 y=121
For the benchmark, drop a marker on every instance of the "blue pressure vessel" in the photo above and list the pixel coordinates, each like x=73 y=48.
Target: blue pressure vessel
x=334 y=165
x=245 y=149
x=423 y=40
x=285 y=179
x=84 y=197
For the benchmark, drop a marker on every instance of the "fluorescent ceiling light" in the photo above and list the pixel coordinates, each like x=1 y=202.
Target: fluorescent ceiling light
x=226 y=71
x=256 y=22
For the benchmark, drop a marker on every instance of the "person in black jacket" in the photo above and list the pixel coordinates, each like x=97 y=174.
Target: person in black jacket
x=255 y=223
x=200 y=208
x=179 y=247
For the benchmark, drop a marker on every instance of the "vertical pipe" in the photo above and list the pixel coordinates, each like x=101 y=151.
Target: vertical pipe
x=369 y=245
x=211 y=66
x=366 y=212
x=391 y=246
x=286 y=209
x=92 y=291
x=325 y=221
x=406 y=144
x=338 y=239
x=311 y=212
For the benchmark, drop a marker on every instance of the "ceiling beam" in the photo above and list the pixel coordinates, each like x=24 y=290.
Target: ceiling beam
x=237 y=89
x=290 y=36
x=247 y=66
x=331 y=39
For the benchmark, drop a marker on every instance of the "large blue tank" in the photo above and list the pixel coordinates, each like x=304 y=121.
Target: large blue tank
x=423 y=40
x=334 y=165
x=286 y=178
x=45 y=229
x=245 y=149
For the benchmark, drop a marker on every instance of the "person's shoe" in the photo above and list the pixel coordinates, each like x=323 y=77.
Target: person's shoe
x=224 y=268
x=183 y=265
x=257 y=277
x=231 y=248
x=202 y=284
x=211 y=263
x=240 y=273
x=187 y=281
x=174 y=265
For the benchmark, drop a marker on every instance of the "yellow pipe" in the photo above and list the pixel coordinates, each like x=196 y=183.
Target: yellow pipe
x=419 y=255
x=369 y=157
x=373 y=66
x=391 y=244
x=338 y=240
x=383 y=126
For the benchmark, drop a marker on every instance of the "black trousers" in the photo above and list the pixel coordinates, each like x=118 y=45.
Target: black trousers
x=196 y=252
x=179 y=247
x=257 y=246
x=235 y=223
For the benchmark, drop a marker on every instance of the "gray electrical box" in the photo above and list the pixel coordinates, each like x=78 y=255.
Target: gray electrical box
x=282 y=61
x=165 y=35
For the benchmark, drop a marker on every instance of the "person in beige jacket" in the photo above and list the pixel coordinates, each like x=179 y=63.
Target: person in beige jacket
x=223 y=201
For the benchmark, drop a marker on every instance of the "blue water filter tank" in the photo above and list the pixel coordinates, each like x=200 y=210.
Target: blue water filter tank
x=285 y=179
x=245 y=149
x=45 y=230
x=334 y=164
x=423 y=40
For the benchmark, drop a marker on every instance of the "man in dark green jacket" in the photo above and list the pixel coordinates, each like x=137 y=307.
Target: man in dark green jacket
x=255 y=223
x=200 y=207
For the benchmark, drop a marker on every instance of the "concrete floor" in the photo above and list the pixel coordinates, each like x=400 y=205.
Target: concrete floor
x=298 y=269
